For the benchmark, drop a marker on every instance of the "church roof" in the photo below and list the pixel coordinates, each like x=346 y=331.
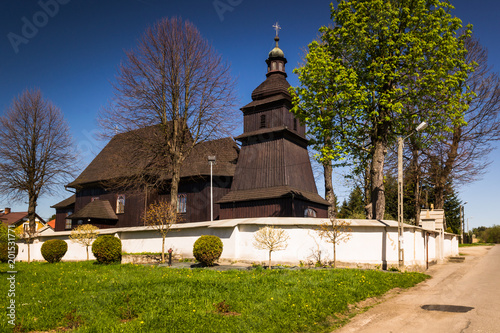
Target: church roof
x=275 y=84
x=276 y=52
x=271 y=193
x=109 y=163
x=97 y=209
x=66 y=202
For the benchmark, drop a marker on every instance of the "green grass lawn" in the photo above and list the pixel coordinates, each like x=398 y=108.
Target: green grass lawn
x=134 y=298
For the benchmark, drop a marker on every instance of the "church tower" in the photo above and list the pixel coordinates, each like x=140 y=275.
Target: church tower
x=273 y=176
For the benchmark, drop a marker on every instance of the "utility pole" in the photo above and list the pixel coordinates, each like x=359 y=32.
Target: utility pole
x=401 y=251
x=462 y=223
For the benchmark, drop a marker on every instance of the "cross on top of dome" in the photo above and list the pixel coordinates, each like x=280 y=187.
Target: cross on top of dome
x=276 y=27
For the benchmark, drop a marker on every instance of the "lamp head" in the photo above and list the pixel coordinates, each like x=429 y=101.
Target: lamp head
x=422 y=126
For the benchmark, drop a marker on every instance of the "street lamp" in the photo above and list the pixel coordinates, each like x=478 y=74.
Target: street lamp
x=211 y=161
x=401 y=253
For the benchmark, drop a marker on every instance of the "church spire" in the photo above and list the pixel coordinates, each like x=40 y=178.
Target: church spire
x=276 y=59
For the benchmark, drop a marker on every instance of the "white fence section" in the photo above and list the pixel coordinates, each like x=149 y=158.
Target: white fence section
x=372 y=242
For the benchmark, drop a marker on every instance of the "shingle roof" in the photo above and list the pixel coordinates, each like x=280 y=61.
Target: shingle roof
x=65 y=203
x=274 y=84
x=97 y=209
x=109 y=163
x=268 y=100
x=271 y=193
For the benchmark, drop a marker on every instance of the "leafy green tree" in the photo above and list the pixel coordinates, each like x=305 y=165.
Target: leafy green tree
x=379 y=69
x=355 y=206
x=452 y=210
x=488 y=234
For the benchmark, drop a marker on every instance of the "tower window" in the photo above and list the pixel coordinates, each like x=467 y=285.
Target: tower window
x=294 y=124
x=262 y=121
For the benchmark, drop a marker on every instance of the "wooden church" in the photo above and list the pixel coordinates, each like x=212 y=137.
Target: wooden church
x=273 y=176
x=269 y=175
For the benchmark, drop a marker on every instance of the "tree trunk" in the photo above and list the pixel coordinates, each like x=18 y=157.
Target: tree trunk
x=329 y=193
x=334 y=256
x=366 y=185
x=174 y=186
x=32 y=213
x=32 y=223
x=439 y=192
x=163 y=249
x=269 y=264
x=377 y=179
x=87 y=247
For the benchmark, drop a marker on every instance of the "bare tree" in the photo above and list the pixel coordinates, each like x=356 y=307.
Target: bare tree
x=462 y=155
x=173 y=80
x=84 y=234
x=336 y=232
x=36 y=150
x=161 y=216
x=271 y=239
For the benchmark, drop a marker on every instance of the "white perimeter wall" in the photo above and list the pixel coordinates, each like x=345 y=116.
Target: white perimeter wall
x=372 y=242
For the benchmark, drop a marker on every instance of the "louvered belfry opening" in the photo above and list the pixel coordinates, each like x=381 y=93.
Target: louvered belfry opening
x=273 y=176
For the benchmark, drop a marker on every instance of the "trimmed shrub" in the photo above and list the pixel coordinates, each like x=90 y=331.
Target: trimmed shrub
x=107 y=249
x=207 y=249
x=4 y=252
x=53 y=250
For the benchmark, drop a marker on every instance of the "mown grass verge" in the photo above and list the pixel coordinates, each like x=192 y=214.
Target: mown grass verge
x=86 y=297
x=476 y=244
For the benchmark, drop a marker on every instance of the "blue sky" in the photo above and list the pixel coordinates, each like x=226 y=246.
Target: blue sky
x=70 y=49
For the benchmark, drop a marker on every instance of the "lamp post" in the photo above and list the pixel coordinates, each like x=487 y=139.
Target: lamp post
x=401 y=252
x=211 y=161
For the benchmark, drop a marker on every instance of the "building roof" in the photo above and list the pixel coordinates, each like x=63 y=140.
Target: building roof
x=52 y=223
x=14 y=218
x=276 y=52
x=97 y=209
x=65 y=203
x=114 y=161
x=274 y=99
x=275 y=84
x=271 y=193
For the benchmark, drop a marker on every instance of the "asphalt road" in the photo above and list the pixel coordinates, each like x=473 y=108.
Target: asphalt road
x=460 y=297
